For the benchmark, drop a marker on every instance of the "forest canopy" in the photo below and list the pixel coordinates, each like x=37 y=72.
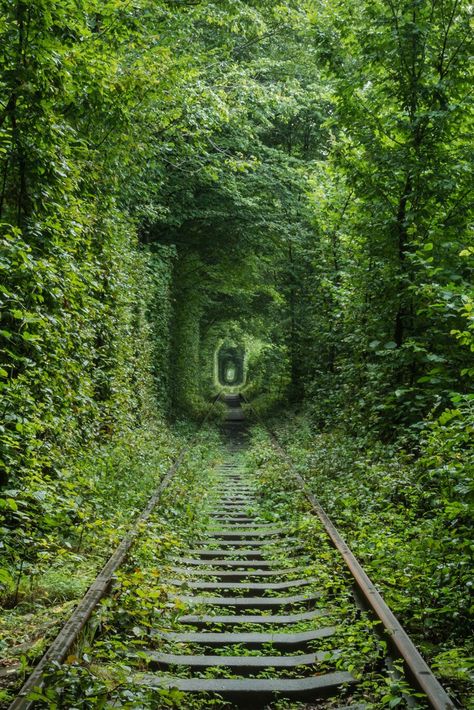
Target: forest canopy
x=291 y=179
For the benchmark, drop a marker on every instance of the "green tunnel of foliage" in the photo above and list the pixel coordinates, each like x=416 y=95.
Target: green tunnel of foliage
x=293 y=178
x=302 y=175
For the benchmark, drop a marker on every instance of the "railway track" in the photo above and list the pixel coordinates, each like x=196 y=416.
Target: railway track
x=260 y=607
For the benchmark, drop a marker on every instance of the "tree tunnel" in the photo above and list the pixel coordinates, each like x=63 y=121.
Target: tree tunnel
x=230 y=363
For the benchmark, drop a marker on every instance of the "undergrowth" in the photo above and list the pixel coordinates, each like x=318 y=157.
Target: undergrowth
x=362 y=651
x=409 y=520
x=101 y=668
x=65 y=528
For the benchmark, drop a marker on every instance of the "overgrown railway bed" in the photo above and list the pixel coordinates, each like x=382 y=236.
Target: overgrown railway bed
x=255 y=600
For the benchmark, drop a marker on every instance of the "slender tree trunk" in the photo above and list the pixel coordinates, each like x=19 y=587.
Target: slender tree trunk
x=402 y=234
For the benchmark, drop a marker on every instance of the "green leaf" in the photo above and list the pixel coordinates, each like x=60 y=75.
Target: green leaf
x=5 y=577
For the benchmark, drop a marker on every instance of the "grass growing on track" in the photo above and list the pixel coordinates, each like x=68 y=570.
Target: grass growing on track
x=363 y=654
x=400 y=517
x=117 y=480
x=101 y=669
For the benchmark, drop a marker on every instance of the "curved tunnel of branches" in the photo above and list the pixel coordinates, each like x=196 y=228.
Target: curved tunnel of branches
x=267 y=199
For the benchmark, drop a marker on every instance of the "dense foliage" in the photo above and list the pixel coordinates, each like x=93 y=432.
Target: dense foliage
x=409 y=521
x=292 y=177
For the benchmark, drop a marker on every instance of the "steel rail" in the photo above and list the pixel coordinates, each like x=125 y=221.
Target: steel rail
x=58 y=649
x=416 y=668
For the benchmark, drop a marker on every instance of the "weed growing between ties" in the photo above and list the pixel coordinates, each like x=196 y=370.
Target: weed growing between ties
x=364 y=653
x=408 y=520
x=105 y=667
x=105 y=492
x=100 y=670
